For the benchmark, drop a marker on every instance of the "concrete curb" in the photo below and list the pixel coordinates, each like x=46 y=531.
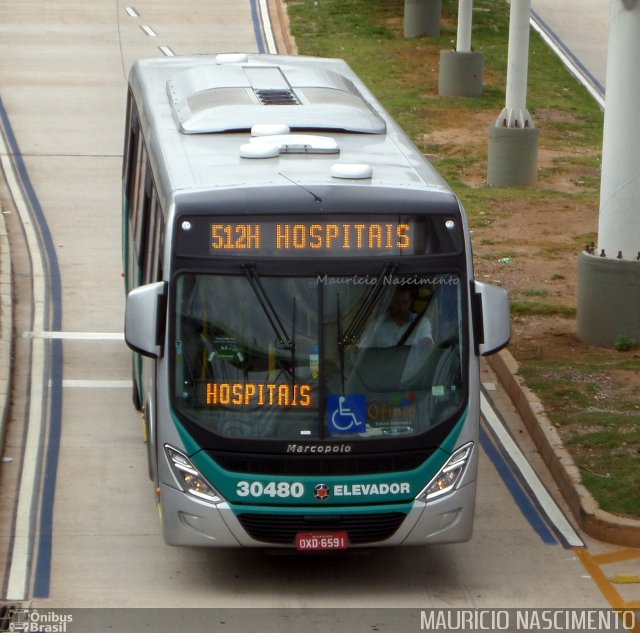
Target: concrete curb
x=595 y=522
x=285 y=42
x=6 y=329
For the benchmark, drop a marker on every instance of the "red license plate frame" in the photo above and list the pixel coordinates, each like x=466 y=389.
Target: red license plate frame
x=321 y=541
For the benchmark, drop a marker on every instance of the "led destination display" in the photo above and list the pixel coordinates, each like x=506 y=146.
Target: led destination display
x=271 y=237
x=311 y=236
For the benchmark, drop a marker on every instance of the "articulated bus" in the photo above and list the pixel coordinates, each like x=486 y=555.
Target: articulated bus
x=305 y=325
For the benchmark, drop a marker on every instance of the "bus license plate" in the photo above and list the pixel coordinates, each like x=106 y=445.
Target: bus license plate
x=314 y=541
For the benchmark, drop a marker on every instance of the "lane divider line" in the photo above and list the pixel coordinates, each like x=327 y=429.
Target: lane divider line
x=532 y=514
x=145 y=28
x=256 y=20
x=23 y=530
x=267 y=29
x=537 y=488
x=45 y=274
x=166 y=51
x=569 y=59
x=76 y=336
x=96 y=384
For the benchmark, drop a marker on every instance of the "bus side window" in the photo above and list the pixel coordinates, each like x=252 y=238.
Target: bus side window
x=141 y=206
x=154 y=243
x=130 y=148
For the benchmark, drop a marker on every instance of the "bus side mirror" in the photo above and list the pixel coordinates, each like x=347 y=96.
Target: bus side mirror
x=144 y=319
x=492 y=318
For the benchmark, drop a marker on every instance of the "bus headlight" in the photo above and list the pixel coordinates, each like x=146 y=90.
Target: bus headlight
x=449 y=475
x=190 y=478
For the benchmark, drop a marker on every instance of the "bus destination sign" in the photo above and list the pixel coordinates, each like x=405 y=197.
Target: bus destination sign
x=311 y=238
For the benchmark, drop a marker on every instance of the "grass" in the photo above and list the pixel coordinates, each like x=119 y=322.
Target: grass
x=584 y=398
x=598 y=426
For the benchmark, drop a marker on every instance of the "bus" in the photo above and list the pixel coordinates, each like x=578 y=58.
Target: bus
x=305 y=325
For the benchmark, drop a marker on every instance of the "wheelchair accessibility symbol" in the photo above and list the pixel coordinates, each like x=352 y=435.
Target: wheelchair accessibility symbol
x=347 y=414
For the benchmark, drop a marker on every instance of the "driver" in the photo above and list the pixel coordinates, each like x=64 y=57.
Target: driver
x=400 y=326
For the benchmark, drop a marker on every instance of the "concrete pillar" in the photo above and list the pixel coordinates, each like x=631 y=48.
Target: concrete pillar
x=619 y=221
x=608 y=299
x=461 y=72
x=513 y=140
x=465 y=26
x=609 y=278
x=422 y=18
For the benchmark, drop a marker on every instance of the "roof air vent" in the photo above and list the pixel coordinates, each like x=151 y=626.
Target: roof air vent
x=277 y=97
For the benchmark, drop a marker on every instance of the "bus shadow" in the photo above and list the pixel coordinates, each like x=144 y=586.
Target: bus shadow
x=376 y=577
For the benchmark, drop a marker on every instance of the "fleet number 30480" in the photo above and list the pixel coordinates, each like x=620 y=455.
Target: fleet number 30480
x=273 y=489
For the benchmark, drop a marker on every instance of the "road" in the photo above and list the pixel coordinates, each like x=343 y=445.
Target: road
x=78 y=524
x=579 y=32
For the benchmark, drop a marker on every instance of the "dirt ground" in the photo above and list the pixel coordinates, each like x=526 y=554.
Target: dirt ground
x=529 y=244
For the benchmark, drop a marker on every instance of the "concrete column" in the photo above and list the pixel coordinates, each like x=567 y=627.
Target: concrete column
x=422 y=18
x=609 y=277
x=619 y=222
x=465 y=25
x=461 y=71
x=513 y=140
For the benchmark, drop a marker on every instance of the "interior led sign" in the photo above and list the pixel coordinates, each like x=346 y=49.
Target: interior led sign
x=256 y=395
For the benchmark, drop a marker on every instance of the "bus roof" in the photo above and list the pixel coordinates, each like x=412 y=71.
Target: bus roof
x=322 y=125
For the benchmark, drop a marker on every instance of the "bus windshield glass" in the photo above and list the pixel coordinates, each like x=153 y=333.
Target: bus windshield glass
x=318 y=357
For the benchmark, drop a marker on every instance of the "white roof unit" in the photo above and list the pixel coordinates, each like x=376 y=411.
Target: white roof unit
x=229 y=97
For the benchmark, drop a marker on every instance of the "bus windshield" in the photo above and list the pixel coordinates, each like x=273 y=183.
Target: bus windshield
x=317 y=357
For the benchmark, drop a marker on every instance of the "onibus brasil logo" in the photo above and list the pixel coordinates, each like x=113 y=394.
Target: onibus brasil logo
x=32 y=620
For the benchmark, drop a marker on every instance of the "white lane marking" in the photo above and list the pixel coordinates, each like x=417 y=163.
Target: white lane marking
x=97 y=384
x=23 y=534
x=132 y=12
x=266 y=27
x=148 y=30
x=166 y=51
x=546 y=501
x=76 y=336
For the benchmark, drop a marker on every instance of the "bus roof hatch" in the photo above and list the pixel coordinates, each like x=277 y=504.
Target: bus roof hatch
x=234 y=97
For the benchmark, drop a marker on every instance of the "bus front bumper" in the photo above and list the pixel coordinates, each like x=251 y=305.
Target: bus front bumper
x=189 y=522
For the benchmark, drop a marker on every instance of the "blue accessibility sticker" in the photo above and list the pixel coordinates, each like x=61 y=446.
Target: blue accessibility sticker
x=347 y=413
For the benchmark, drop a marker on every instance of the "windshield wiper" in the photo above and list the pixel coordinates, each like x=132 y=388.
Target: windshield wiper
x=267 y=307
x=353 y=332
x=357 y=324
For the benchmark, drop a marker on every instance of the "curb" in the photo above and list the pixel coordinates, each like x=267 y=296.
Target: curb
x=595 y=522
x=6 y=329
x=285 y=42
